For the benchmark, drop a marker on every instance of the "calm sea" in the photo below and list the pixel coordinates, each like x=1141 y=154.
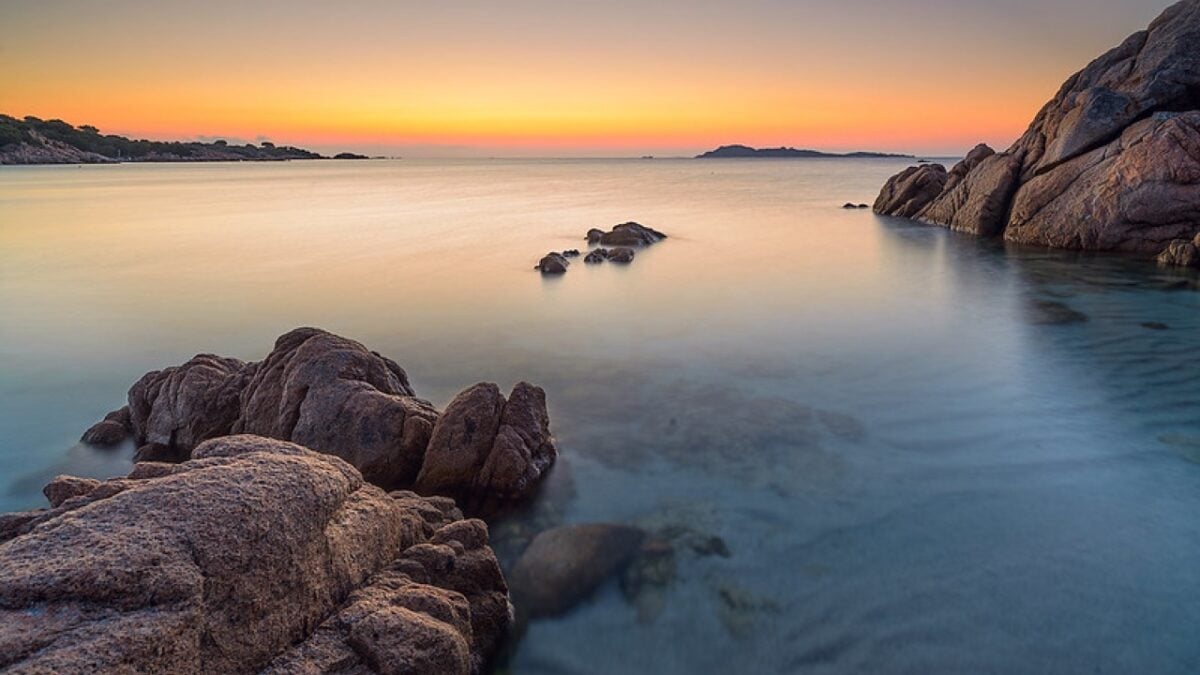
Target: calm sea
x=911 y=470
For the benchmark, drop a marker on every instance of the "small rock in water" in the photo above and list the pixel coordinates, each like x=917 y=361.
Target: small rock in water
x=626 y=234
x=571 y=253
x=623 y=254
x=564 y=565
x=553 y=263
x=1048 y=312
x=114 y=428
x=597 y=256
x=1155 y=325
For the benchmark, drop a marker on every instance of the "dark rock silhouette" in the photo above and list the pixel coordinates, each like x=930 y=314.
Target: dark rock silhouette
x=745 y=151
x=1112 y=163
x=621 y=254
x=553 y=263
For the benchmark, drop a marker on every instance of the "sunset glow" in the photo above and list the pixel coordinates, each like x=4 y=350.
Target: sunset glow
x=541 y=78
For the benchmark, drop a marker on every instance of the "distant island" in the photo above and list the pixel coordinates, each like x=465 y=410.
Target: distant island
x=35 y=141
x=740 y=151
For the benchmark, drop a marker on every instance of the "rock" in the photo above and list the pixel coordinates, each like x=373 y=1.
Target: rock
x=848 y=205
x=487 y=452
x=255 y=554
x=978 y=202
x=626 y=234
x=182 y=406
x=1048 y=312
x=114 y=428
x=1112 y=163
x=1181 y=253
x=333 y=395
x=863 y=206
x=553 y=263
x=63 y=488
x=596 y=256
x=1136 y=194
x=622 y=254
x=329 y=394
x=571 y=253
x=565 y=565
x=909 y=192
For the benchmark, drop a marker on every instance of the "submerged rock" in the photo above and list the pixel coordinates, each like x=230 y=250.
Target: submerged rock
x=1049 y=312
x=1112 y=163
x=594 y=256
x=1181 y=253
x=553 y=263
x=256 y=554
x=571 y=253
x=332 y=395
x=593 y=235
x=564 y=565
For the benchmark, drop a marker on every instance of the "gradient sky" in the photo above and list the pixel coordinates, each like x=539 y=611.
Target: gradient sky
x=555 y=77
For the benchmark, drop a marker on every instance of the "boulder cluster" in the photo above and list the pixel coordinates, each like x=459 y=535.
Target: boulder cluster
x=623 y=239
x=333 y=395
x=1112 y=163
x=253 y=556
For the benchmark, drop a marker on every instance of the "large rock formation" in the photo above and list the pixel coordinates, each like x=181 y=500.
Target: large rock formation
x=254 y=556
x=1112 y=163
x=332 y=395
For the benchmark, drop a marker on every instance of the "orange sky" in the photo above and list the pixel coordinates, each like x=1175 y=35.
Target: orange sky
x=555 y=78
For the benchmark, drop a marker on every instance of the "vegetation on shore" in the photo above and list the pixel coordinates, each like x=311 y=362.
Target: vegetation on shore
x=31 y=140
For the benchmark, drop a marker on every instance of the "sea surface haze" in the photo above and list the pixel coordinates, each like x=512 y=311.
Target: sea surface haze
x=913 y=464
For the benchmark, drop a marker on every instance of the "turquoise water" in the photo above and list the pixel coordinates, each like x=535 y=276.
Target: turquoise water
x=911 y=470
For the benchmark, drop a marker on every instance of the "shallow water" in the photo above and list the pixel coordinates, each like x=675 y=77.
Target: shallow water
x=911 y=470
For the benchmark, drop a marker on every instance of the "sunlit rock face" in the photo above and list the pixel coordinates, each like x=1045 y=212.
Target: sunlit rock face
x=254 y=555
x=1112 y=163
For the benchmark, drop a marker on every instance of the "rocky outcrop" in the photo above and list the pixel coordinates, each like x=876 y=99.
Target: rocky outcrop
x=332 y=395
x=487 y=451
x=1112 y=163
x=621 y=254
x=255 y=555
x=564 y=565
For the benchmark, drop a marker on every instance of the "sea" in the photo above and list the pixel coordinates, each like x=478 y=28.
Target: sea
x=875 y=446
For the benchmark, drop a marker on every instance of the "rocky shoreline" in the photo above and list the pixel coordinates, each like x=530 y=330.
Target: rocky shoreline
x=308 y=513
x=1112 y=163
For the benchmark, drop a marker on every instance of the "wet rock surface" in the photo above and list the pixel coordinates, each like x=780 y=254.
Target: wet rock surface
x=255 y=554
x=1112 y=163
x=332 y=395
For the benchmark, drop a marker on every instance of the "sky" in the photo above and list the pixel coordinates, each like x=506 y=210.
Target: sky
x=555 y=78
